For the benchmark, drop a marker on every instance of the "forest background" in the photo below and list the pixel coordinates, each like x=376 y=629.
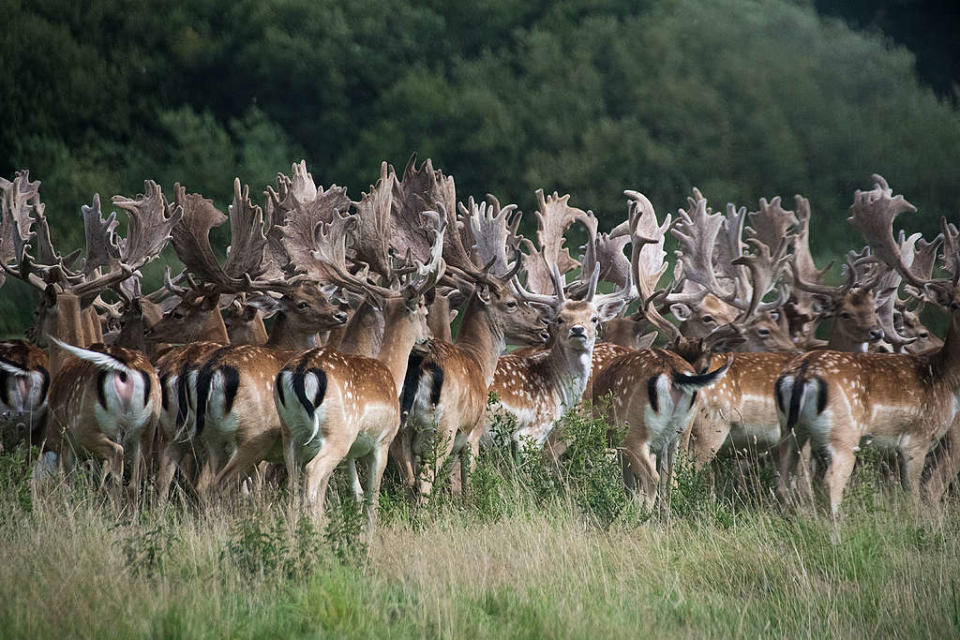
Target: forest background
x=742 y=99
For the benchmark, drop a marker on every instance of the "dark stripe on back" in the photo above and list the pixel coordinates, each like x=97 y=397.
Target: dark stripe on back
x=652 y=394
x=777 y=393
x=822 y=400
x=231 y=384
x=279 y=387
x=46 y=382
x=204 y=379
x=164 y=399
x=437 y=372
x=147 y=387
x=410 y=383
x=4 y=392
x=101 y=388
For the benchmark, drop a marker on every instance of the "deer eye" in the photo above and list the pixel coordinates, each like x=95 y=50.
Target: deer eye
x=302 y=304
x=595 y=319
x=709 y=319
x=511 y=304
x=845 y=315
x=924 y=335
x=177 y=315
x=763 y=333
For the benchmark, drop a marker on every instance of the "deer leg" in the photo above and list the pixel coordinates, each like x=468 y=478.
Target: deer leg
x=317 y=474
x=643 y=468
x=467 y=458
x=241 y=463
x=788 y=457
x=944 y=465
x=376 y=463
x=355 y=480
x=401 y=449
x=441 y=450
x=293 y=470
x=839 y=466
x=911 y=466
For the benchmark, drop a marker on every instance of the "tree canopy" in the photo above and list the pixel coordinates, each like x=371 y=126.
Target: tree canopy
x=590 y=97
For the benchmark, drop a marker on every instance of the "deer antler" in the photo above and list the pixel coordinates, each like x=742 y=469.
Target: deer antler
x=248 y=242
x=696 y=232
x=191 y=237
x=375 y=223
x=554 y=217
x=771 y=223
x=20 y=200
x=152 y=220
x=103 y=243
x=872 y=213
x=491 y=230
x=801 y=245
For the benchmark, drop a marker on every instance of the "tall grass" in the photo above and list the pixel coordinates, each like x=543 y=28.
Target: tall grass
x=531 y=551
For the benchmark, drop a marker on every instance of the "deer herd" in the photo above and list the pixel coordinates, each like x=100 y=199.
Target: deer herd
x=186 y=386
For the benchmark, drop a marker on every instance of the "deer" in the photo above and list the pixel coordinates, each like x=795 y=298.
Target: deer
x=740 y=412
x=653 y=393
x=540 y=388
x=901 y=402
x=706 y=239
x=24 y=383
x=231 y=393
x=445 y=388
x=103 y=401
x=337 y=407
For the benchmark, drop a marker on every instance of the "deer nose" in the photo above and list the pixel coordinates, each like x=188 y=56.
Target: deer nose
x=578 y=330
x=341 y=317
x=875 y=334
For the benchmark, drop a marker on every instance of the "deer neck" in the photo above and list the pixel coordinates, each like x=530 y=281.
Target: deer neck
x=438 y=319
x=480 y=338
x=364 y=334
x=400 y=334
x=568 y=370
x=946 y=361
x=214 y=330
x=285 y=336
x=841 y=342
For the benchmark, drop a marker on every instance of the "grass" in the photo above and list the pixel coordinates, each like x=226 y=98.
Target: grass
x=528 y=554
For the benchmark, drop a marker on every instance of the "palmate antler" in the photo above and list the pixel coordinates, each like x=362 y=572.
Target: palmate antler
x=491 y=231
x=696 y=231
x=873 y=213
x=554 y=217
x=376 y=228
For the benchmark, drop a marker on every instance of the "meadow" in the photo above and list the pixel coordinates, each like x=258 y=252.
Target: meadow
x=531 y=551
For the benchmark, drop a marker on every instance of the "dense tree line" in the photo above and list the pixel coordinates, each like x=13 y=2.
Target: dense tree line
x=743 y=99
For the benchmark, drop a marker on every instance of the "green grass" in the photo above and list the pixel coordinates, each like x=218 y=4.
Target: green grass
x=528 y=554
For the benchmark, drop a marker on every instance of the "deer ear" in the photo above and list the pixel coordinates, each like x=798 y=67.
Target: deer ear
x=483 y=293
x=681 y=311
x=610 y=310
x=209 y=303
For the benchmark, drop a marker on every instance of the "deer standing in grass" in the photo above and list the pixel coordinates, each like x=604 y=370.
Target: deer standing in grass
x=652 y=394
x=103 y=401
x=537 y=387
x=337 y=407
x=445 y=389
x=839 y=401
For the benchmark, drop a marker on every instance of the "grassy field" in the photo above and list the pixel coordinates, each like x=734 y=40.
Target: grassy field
x=527 y=554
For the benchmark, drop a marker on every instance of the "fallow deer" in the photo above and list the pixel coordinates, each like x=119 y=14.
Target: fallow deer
x=901 y=402
x=653 y=395
x=334 y=406
x=24 y=382
x=445 y=389
x=98 y=396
